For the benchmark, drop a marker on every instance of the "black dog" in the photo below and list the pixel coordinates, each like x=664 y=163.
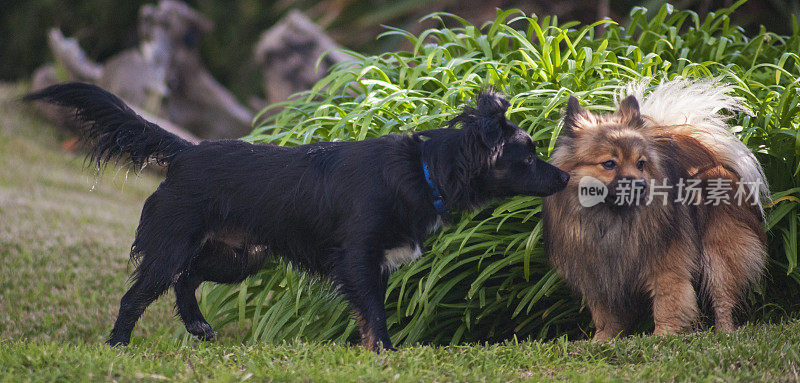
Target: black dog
x=352 y=211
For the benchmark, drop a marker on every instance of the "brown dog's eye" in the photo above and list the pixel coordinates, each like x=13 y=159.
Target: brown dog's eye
x=609 y=165
x=640 y=165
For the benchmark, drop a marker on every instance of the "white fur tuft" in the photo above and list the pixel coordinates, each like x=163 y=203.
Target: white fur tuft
x=394 y=258
x=695 y=105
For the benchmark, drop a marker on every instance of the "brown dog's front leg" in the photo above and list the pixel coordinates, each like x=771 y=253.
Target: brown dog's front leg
x=609 y=325
x=674 y=302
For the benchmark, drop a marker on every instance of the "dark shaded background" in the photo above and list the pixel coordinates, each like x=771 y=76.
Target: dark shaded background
x=104 y=27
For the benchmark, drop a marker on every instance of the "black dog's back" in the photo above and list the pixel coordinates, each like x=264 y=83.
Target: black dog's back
x=352 y=211
x=299 y=202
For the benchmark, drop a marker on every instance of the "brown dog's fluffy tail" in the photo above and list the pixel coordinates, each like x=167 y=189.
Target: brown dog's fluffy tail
x=692 y=108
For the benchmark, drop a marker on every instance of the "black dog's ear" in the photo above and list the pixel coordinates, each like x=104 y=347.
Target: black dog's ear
x=629 y=110
x=492 y=109
x=571 y=116
x=487 y=120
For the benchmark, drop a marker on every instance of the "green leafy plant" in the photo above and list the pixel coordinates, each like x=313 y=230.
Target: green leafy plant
x=486 y=277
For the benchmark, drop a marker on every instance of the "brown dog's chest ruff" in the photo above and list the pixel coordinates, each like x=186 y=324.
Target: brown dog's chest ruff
x=614 y=251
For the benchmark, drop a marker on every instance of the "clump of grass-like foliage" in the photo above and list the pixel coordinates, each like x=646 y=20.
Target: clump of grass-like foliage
x=486 y=277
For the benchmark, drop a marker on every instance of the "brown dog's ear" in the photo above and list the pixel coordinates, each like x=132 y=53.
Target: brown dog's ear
x=629 y=111
x=572 y=115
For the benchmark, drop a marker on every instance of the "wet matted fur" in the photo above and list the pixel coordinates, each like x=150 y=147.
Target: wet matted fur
x=629 y=260
x=351 y=211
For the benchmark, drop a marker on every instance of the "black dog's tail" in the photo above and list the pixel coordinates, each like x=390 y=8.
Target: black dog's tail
x=111 y=128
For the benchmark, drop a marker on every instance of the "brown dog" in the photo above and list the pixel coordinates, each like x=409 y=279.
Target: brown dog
x=661 y=199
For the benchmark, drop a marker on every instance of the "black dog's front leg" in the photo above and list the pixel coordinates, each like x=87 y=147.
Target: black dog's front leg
x=364 y=285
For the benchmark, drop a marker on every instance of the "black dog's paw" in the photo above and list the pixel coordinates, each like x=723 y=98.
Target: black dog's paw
x=114 y=342
x=201 y=330
x=381 y=347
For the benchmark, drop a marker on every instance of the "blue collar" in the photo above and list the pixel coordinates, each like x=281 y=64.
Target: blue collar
x=438 y=200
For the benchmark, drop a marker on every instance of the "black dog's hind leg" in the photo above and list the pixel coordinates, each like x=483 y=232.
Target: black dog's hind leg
x=166 y=246
x=216 y=262
x=158 y=270
x=364 y=286
x=187 y=307
x=149 y=284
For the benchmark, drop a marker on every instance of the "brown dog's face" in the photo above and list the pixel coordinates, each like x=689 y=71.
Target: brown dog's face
x=609 y=148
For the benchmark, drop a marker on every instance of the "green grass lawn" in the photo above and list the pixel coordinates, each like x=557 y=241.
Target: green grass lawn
x=64 y=239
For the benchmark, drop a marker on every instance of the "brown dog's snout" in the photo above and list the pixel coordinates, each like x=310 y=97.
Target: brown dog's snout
x=626 y=191
x=640 y=186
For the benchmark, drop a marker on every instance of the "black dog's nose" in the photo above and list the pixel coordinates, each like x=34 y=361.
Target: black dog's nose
x=564 y=177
